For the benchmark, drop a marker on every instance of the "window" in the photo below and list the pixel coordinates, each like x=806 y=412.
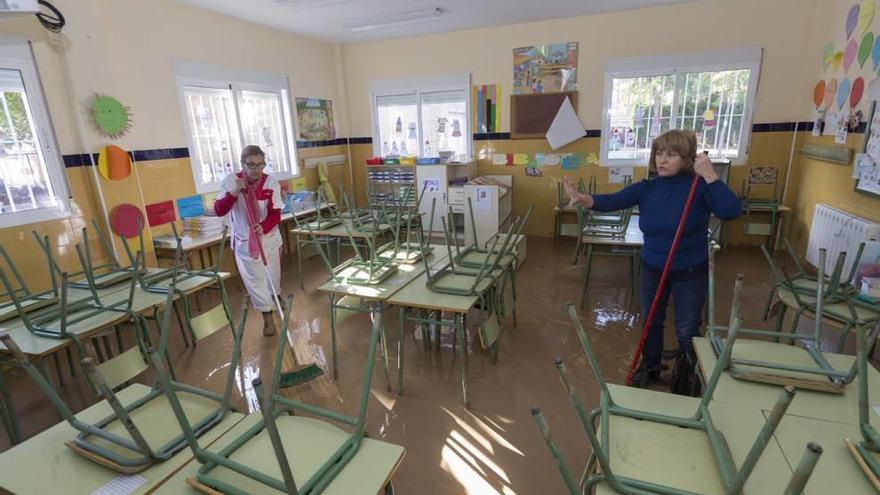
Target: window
x=425 y=117
x=711 y=93
x=33 y=186
x=226 y=109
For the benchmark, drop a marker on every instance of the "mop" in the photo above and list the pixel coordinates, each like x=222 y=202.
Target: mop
x=637 y=355
x=296 y=374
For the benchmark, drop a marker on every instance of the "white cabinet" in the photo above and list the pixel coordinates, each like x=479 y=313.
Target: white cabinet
x=440 y=185
x=492 y=203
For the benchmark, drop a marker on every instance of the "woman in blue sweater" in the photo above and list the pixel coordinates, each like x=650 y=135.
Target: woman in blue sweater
x=661 y=200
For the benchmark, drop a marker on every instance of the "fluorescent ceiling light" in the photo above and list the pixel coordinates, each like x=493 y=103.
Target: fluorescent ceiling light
x=309 y=4
x=395 y=19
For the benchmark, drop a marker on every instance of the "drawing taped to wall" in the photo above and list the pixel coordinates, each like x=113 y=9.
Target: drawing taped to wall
x=315 y=119
x=549 y=68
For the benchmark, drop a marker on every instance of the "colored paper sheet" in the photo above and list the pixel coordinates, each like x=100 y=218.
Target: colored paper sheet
x=190 y=206
x=510 y=159
x=160 y=213
x=298 y=184
x=486 y=114
x=566 y=126
x=618 y=175
x=499 y=159
x=520 y=158
x=208 y=200
x=549 y=68
x=534 y=172
x=539 y=159
x=551 y=160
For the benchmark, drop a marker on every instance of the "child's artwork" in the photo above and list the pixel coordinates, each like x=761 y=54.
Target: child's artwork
x=487 y=110
x=190 y=206
x=619 y=175
x=762 y=175
x=550 y=68
x=534 y=172
x=315 y=119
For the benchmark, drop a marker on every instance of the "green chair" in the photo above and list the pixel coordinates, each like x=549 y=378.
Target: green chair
x=138 y=434
x=867 y=450
x=103 y=275
x=290 y=453
x=402 y=248
x=803 y=366
x=317 y=223
x=600 y=224
x=20 y=298
x=705 y=475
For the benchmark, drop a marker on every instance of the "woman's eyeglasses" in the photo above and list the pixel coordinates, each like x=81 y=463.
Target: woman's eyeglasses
x=254 y=166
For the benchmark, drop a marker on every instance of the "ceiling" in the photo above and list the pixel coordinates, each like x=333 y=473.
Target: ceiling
x=345 y=21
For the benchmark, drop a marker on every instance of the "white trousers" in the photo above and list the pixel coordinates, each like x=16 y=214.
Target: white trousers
x=253 y=273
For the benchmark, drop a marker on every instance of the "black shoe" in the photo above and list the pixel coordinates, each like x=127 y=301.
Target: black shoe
x=644 y=377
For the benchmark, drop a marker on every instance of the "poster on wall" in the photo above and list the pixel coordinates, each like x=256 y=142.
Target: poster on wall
x=619 y=175
x=549 y=68
x=487 y=108
x=314 y=118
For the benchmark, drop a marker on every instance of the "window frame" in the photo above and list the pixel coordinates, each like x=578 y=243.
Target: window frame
x=16 y=53
x=209 y=76
x=416 y=86
x=677 y=65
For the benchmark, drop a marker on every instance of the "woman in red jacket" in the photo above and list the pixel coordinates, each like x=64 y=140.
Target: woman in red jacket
x=253 y=189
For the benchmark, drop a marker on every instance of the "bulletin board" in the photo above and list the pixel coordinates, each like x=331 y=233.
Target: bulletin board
x=867 y=175
x=532 y=114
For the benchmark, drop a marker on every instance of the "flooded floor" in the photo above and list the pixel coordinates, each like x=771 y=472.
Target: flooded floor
x=493 y=448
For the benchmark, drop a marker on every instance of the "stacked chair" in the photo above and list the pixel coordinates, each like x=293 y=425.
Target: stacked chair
x=611 y=429
x=290 y=453
x=593 y=223
x=319 y=222
x=867 y=450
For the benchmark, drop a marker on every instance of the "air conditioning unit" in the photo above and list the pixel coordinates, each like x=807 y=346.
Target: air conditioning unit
x=18 y=7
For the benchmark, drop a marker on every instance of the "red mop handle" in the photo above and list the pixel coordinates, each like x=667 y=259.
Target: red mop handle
x=637 y=356
x=252 y=222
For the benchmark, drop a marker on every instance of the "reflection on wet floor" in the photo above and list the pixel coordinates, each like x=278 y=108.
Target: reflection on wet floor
x=495 y=447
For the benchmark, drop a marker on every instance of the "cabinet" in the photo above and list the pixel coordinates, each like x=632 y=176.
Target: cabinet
x=442 y=185
x=387 y=184
x=492 y=199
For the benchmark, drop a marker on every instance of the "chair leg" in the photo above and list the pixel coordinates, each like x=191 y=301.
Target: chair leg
x=182 y=326
x=299 y=263
x=400 y=329
x=58 y=369
x=8 y=410
x=843 y=335
x=70 y=361
x=587 y=274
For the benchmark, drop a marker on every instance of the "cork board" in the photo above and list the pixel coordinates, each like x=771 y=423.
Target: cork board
x=532 y=114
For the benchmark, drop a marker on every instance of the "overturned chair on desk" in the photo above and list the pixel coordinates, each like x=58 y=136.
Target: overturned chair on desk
x=138 y=434
x=841 y=305
x=804 y=366
x=608 y=464
x=291 y=453
x=315 y=241
x=103 y=275
x=593 y=223
x=866 y=451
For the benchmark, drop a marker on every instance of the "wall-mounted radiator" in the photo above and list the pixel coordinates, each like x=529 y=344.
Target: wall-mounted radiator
x=837 y=231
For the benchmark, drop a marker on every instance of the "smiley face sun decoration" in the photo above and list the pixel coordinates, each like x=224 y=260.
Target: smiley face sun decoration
x=111 y=117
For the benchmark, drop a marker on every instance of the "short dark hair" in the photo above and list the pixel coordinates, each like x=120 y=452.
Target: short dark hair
x=250 y=150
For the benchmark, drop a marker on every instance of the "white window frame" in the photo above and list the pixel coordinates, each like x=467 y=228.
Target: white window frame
x=16 y=53
x=676 y=64
x=190 y=73
x=416 y=86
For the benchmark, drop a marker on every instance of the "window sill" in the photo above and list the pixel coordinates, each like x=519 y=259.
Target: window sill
x=19 y=218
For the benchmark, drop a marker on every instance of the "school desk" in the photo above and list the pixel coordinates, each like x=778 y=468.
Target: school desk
x=44 y=464
x=629 y=245
x=632 y=455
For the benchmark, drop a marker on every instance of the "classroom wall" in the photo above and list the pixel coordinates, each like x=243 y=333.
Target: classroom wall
x=125 y=49
x=780 y=27
x=814 y=181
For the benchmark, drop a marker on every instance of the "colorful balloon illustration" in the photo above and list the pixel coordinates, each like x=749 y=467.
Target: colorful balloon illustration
x=843 y=91
x=866 y=15
x=865 y=48
x=849 y=55
x=875 y=53
x=827 y=54
x=836 y=60
x=855 y=94
x=852 y=20
x=830 y=93
x=819 y=93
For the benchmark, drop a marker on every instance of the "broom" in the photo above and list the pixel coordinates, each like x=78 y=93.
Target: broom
x=296 y=374
x=637 y=355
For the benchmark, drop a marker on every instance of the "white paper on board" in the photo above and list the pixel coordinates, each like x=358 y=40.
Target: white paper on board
x=484 y=198
x=121 y=485
x=566 y=127
x=618 y=175
x=861 y=165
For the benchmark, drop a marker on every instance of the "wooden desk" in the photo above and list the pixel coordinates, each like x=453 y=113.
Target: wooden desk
x=44 y=464
x=740 y=426
x=838 y=408
x=358 y=476
x=837 y=470
x=371 y=298
x=629 y=245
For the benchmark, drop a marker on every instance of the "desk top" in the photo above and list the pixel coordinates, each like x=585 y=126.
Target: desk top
x=380 y=292
x=340 y=230
x=633 y=236
x=169 y=242
x=837 y=471
x=839 y=408
x=360 y=474
x=740 y=426
x=44 y=464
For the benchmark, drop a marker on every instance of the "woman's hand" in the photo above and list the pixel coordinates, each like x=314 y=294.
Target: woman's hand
x=258 y=229
x=704 y=168
x=239 y=186
x=575 y=197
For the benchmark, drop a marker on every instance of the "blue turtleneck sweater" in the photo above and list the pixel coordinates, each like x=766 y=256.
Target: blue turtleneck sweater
x=661 y=201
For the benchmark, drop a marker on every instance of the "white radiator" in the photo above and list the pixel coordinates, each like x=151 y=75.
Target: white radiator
x=837 y=231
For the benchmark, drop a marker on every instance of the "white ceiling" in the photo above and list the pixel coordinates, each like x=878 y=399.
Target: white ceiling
x=328 y=20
